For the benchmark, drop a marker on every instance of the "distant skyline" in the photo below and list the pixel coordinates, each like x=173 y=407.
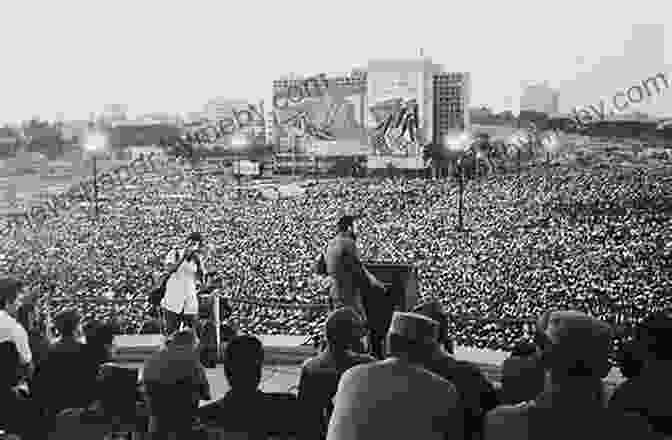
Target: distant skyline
x=71 y=57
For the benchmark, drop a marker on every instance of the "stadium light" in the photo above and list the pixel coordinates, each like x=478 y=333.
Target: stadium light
x=459 y=144
x=240 y=142
x=95 y=143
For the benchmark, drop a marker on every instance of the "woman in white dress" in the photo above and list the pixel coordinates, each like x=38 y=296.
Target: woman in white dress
x=180 y=303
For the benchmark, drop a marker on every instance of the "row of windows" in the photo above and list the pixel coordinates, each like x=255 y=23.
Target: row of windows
x=339 y=81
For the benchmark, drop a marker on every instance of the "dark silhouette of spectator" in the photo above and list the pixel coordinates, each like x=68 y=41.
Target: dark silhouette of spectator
x=151 y=327
x=522 y=374
x=18 y=415
x=320 y=375
x=398 y=397
x=575 y=351
x=175 y=382
x=477 y=395
x=57 y=385
x=10 y=328
x=630 y=360
x=37 y=340
x=646 y=393
x=243 y=364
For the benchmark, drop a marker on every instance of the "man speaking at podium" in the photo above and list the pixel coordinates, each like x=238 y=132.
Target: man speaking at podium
x=349 y=276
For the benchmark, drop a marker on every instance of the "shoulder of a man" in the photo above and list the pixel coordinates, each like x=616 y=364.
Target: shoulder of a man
x=507 y=421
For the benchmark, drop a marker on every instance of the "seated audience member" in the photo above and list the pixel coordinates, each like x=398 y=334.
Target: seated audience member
x=397 y=398
x=320 y=375
x=10 y=329
x=522 y=375
x=57 y=384
x=477 y=395
x=175 y=382
x=243 y=364
x=646 y=394
x=18 y=414
x=575 y=354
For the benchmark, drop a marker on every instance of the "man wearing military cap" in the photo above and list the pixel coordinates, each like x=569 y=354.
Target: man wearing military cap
x=397 y=398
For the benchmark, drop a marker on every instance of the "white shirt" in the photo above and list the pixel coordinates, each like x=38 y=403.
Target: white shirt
x=181 y=294
x=11 y=330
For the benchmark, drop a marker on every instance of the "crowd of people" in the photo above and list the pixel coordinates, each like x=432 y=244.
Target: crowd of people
x=596 y=240
x=417 y=387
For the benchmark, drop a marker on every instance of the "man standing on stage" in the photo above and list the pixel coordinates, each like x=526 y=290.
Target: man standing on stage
x=346 y=270
x=180 y=303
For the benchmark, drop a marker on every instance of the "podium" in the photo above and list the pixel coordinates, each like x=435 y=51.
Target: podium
x=402 y=296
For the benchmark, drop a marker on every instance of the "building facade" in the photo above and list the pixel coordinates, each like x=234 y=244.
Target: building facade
x=451 y=99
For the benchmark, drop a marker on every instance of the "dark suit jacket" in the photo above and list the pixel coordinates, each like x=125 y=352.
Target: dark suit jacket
x=258 y=413
x=317 y=386
x=477 y=395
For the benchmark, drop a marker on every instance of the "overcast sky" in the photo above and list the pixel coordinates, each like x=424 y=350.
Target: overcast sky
x=75 y=56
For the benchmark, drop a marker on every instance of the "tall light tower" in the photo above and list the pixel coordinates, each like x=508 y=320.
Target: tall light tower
x=94 y=145
x=458 y=145
x=240 y=143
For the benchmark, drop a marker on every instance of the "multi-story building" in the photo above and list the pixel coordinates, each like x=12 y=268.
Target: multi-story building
x=220 y=108
x=540 y=98
x=451 y=98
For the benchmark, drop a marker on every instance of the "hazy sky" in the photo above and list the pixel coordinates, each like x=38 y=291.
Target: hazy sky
x=75 y=56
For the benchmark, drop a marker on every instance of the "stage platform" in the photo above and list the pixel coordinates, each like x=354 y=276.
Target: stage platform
x=284 y=355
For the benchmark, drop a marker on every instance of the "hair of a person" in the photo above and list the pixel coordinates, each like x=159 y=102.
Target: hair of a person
x=9 y=291
x=9 y=364
x=524 y=349
x=654 y=335
x=440 y=317
x=243 y=362
x=195 y=237
x=345 y=222
x=24 y=314
x=186 y=337
x=412 y=350
x=67 y=322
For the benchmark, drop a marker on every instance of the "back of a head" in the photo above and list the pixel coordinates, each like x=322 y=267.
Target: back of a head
x=345 y=222
x=343 y=328
x=654 y=336
x=574 y=345
x=67 y=322
x=243 y=362
x=434 y=311
x=412 y=336
x=184 y=338
x=9 y=364
x=9 y=291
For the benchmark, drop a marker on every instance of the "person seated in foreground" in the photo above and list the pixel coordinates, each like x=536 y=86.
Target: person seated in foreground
x=320 y=375
x=245 y=408
x=575 y=351
x=477 y=394
x=398 y=398
x=522 y=375
x=647 y=393
x=18 y=415
x=175 y=382
x=57 y=384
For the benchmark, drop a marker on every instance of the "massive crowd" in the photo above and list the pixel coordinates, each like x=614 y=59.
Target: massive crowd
x=597 y=240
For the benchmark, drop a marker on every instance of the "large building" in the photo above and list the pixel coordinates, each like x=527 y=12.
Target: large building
x=218 y=109
x=451 y=98
x=391 y=108
x=540 y=98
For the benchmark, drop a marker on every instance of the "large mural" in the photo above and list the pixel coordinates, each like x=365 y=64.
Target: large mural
x=393 y=122
x=320 y=115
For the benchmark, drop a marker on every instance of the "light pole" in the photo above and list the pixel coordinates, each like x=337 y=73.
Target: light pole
x=240 y=142
x=457 y=145
x=95 y=144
